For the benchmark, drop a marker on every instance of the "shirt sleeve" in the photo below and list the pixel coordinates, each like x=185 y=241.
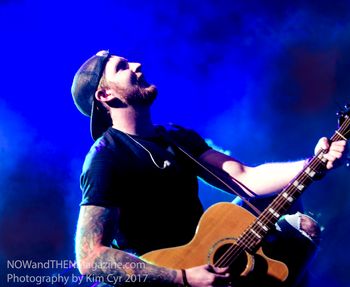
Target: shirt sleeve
x=98 y=179
x=190 y=140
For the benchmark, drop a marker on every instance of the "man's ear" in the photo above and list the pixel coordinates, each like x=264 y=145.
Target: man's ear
x=103 y=95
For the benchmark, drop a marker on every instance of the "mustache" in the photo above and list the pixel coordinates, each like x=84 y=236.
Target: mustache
x=142 y=82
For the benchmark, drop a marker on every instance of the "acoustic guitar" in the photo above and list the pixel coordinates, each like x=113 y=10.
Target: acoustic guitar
x=229 y=235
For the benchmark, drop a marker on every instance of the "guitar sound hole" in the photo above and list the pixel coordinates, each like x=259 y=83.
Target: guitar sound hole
x=226 y=255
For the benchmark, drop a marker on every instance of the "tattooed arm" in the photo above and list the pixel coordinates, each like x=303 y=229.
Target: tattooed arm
x=95 y=230
x=96 y=227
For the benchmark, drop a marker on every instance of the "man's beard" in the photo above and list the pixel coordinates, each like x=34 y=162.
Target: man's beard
x=141 y=96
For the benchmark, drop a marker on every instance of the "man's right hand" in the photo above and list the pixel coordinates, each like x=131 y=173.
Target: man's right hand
x=208 y=276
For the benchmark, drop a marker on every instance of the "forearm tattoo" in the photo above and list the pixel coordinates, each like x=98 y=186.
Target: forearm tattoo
x=96 y=227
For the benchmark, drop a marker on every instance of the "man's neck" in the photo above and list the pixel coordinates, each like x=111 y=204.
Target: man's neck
x=133 y=122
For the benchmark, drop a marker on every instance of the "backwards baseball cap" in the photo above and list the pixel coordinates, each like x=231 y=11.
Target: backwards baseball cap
x=85 y=84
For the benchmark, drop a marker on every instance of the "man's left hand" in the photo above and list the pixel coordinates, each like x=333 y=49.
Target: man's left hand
x=336 y=152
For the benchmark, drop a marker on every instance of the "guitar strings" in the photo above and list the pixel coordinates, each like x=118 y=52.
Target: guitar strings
x=236 y=250
x=250 y=239
x=246 y=240
x=279 y=202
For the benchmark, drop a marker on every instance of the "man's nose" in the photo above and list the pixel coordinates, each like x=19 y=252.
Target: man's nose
x=135 y=67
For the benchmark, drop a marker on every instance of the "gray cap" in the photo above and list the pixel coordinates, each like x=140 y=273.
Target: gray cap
x=85 y=84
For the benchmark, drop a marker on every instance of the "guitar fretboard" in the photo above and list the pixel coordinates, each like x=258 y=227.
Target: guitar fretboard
x=252 y=237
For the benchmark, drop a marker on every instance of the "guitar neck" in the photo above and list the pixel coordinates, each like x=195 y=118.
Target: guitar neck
x=252 y=237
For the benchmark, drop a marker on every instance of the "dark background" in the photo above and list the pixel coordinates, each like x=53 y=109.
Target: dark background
x=260 y=79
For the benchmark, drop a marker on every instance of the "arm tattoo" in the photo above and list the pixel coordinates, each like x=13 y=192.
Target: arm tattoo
x=96 y=227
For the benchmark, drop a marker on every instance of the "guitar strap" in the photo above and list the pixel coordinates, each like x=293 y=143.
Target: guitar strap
x=232 y=186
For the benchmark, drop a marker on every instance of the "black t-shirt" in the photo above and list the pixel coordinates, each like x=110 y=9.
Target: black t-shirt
x=158 y=207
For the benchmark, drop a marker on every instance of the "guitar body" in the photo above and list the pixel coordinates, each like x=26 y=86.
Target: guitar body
x=218 y=229
x=226 y=232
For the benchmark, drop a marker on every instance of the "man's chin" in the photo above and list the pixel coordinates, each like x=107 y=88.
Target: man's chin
x=144 y=96
x=150 y=94
x=152 y=89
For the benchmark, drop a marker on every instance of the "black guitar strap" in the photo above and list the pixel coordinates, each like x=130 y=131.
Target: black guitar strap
x=235 y=186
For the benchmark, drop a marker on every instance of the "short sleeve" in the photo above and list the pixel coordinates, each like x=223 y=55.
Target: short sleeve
x=98 y=179
x=189 y=139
